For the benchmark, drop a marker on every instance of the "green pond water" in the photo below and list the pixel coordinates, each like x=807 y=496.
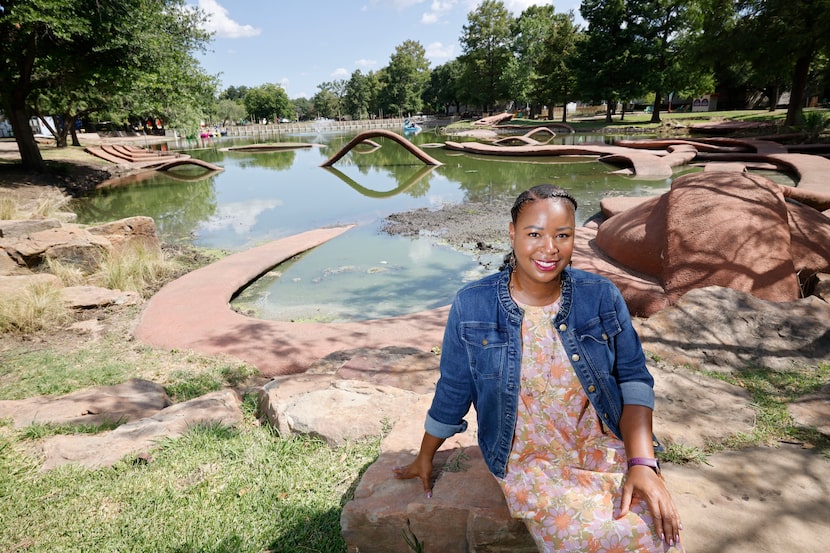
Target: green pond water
x=363 y=274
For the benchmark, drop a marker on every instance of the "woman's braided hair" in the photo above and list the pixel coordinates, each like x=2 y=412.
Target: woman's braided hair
x=539 y=192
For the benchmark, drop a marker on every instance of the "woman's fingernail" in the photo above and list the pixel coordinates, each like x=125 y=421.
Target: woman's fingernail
x=429 y=494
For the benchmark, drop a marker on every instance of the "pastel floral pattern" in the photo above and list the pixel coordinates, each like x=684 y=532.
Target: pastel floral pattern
x=565 y=471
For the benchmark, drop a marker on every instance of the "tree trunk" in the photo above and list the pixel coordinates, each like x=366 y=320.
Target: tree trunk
x=622 y=111
x=608 y=111
x=800 y=76
x=26 y=145
x=564 y=111
x=655 y=109
x=74 y=133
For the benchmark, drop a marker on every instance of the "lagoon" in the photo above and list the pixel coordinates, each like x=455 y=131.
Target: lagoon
x=364 y=274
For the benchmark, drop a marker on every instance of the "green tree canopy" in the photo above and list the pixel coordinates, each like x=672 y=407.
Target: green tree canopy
x=74 y=57
x=268 y=101
x=405 y=78
x=487 y=54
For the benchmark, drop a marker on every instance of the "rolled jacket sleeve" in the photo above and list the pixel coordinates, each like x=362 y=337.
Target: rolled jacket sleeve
x=637 y=393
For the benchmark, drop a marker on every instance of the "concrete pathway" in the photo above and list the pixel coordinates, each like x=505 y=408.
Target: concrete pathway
x=193 y=312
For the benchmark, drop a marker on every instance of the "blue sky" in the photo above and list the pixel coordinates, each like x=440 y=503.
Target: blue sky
x=299 y=44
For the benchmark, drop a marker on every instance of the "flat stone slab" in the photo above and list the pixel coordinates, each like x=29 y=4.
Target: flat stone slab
x=128 y=401
x=99 y=450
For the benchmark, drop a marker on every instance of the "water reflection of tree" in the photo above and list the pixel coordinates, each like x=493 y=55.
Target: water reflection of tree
x=177 y=208
x=280 y=161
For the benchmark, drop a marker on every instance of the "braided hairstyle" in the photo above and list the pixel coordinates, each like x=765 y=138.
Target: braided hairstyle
x=538 y=192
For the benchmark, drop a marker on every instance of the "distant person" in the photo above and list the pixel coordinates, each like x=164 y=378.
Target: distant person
x=549 y=358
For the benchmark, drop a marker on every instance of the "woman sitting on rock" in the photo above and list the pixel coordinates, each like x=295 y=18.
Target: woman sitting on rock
x=549 y=358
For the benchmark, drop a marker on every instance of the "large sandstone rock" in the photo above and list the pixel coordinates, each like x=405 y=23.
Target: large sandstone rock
x=711 y=229
x=68 y=244
x=349 y=395
x=130 y=230
x=728 y=230
x=722 y=329
x=12 y=228
x=139 y=437
x=86 y=297
x=128 y=401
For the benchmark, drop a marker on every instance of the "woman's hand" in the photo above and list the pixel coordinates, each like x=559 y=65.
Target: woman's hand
x=645 y=484
x=421 y=468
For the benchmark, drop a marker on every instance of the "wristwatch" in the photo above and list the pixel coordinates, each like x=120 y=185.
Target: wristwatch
x=654 y=464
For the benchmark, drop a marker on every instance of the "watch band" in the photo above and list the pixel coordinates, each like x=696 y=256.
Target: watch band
x=653 y=464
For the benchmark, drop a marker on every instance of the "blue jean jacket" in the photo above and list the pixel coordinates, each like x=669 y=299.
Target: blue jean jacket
x=482 y=350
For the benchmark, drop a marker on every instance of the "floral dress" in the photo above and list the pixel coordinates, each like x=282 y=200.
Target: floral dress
x=565 y=471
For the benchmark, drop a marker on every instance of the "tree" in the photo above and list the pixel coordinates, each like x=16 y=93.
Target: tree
x=607 y=69
x=73 y=56
x=230 y=110
x=485 y=42
x=663 y=31
x=268 y=101
x=327 y=101
x=529 y=31
x=555 y=78
x=783 y=38
x=359 y=95
x=443 y=89
x=406 y=78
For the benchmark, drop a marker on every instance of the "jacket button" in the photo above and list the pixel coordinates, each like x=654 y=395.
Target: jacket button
x=604 y=336
x=592 y=389
x=575 y=357
x=563 y=327
x=484 y=342
x=605 y=415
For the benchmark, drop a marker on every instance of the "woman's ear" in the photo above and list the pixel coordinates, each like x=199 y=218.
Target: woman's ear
x=512 y=232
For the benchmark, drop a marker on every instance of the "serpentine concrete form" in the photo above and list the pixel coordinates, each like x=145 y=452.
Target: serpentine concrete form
x=193 y=312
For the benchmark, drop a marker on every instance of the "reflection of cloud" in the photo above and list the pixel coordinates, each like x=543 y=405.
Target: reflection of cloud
x=220 y=22
x=238 y=216
x=420 y=251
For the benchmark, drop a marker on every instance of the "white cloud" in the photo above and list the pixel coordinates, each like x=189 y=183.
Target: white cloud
x=220 y=22
x=366 y=64
x=438 y=51
x=437 y=10
x=340 y=73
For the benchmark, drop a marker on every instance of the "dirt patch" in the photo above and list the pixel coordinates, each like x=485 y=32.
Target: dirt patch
x=476 y=228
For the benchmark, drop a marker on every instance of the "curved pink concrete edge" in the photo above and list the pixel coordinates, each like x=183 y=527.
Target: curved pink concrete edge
x=194 y=313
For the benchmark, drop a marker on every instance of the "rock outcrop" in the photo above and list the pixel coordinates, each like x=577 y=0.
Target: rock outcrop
x=713 y=229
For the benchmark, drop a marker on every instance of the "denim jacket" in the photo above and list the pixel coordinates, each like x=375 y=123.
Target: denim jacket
x=482 y=350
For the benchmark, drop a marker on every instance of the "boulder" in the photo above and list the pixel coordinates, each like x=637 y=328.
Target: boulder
x=86 y=297
x=68 y=244
x=350 y=394
x=139 y=437
x=742 y=244
x=130 y=230
x=755 y=240
x=128 y=401
x=13 y=228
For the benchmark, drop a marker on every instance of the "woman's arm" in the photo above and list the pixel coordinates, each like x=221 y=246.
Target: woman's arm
x=642 y=481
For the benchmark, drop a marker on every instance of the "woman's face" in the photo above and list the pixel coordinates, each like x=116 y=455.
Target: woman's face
x=543 y=240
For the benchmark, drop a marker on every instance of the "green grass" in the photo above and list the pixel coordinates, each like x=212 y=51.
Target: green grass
x=770 y=391
x=213 y=490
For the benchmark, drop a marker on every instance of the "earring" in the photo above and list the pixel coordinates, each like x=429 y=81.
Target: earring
x=511 y=260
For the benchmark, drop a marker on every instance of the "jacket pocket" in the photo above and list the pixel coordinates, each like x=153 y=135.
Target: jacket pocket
x=486 y=346
x=596 y=338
